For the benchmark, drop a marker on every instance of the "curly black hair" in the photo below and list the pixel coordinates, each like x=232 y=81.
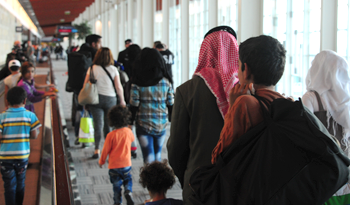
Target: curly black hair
x=157 y=177
x=118 y=116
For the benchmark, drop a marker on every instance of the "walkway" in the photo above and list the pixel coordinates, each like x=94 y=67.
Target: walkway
x=92 y=185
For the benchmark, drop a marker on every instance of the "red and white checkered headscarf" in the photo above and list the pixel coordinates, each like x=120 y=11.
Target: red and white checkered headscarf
x=218 y=66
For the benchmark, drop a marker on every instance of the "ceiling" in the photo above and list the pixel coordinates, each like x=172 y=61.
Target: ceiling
x=48 y=13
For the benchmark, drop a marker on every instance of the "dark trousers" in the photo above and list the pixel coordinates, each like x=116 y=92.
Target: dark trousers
x=14 y=174
x=119 y=177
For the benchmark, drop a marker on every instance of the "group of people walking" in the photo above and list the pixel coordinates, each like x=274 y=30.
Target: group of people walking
x=208 y=114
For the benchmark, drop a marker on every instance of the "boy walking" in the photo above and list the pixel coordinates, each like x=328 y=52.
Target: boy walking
x=12 y=80
x=118 y=146
x=17 y=126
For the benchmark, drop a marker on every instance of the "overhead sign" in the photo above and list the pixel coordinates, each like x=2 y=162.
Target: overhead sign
x=19 y=29
x=66 y=29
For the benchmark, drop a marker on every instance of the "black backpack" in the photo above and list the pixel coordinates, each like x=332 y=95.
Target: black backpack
x=78 y=64
x=289 y=158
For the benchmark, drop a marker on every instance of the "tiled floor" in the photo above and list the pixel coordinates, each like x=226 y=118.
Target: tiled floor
x=92 y=182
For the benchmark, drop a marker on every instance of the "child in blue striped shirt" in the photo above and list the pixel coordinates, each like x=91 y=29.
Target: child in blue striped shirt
x=17 y=127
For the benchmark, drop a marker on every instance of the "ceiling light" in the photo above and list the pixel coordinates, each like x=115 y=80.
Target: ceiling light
x=67 y=12
x=62 y=20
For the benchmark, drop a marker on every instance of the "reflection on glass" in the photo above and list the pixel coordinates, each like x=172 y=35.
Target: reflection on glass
x=198 y=27
x=228 y=13
x=175 y=40
x=343 y=33
x=296 y=24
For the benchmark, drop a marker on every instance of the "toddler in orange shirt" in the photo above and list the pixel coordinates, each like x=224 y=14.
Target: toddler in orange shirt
x=118 y=146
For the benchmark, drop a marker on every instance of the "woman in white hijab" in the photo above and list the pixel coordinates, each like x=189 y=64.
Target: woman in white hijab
x=328 y=96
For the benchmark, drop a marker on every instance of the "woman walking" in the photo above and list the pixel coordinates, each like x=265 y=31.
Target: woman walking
x=109 y=87
x=151 y=97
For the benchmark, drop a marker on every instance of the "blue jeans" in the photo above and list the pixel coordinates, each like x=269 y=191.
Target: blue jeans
x=151 y=145
x=119 y=177
x=14 y=174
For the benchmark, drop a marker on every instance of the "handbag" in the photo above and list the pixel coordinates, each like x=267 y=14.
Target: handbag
x=86 y=128
x=89 y=94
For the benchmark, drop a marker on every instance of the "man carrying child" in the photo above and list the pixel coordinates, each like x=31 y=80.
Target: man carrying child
x=17 y=127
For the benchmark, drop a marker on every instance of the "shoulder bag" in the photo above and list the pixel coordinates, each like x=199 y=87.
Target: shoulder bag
x=89 y=94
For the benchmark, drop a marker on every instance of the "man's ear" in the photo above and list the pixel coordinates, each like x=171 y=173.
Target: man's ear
x=247 y=72
x=93 y=44
x=24 y=101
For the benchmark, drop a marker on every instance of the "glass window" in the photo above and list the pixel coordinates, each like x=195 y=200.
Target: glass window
x=175 y=39
x=135 y=34
x=198 y=27
x=158 y=21
x=296 y=24
x=228 y=13
x=343 y=33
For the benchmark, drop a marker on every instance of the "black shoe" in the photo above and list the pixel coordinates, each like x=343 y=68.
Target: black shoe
x=76 y=142
x=95 y=156
x=133 y=154
x=128 y=197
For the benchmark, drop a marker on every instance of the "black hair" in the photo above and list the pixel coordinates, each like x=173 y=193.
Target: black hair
x=149 y=68
x=266 y=58
x=14 y=68
x=133 y=51
x=156 y=43
x=119 y=116
x=127 y=41
x=157 y=177
x=159 y=46
x=16 y=95
x=93 y=38
x=222 y=28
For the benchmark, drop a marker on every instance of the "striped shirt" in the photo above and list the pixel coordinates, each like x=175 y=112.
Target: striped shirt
x=15 y=127
x=152 y=102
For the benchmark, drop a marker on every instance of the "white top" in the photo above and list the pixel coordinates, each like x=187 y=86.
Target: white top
x=310 y=101
x=11 y=80
x=104 y=83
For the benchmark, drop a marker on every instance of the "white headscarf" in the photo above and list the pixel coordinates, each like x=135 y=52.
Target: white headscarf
x=329 y=76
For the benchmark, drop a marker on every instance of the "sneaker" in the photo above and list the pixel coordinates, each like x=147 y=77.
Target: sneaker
x=133 y=154
x=76 y=142
x=128 y=197
x=95 y=156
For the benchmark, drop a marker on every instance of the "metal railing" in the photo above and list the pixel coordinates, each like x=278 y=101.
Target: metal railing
x=62 y=188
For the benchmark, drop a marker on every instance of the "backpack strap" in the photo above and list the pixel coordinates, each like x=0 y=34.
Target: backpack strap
x=110 y=77
x=264 y=104
x=320 y=106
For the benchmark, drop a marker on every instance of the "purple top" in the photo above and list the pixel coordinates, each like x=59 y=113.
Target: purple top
x=33 y=95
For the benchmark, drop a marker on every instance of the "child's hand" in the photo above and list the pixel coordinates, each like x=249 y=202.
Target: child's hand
x=53 y=89
x=101 y=165
x=239 y=90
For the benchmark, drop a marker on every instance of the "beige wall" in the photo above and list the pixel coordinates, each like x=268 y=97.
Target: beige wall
x=7 y=33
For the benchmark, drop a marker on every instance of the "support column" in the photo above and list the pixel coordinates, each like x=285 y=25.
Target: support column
x=130 y=19
x=250 y=19
x=212 y=13
x=185 y=36
x=121 y=11
x=165 y=24
x=139 y=23
x=147 y=24
x=113 y=31
x=329 y=25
